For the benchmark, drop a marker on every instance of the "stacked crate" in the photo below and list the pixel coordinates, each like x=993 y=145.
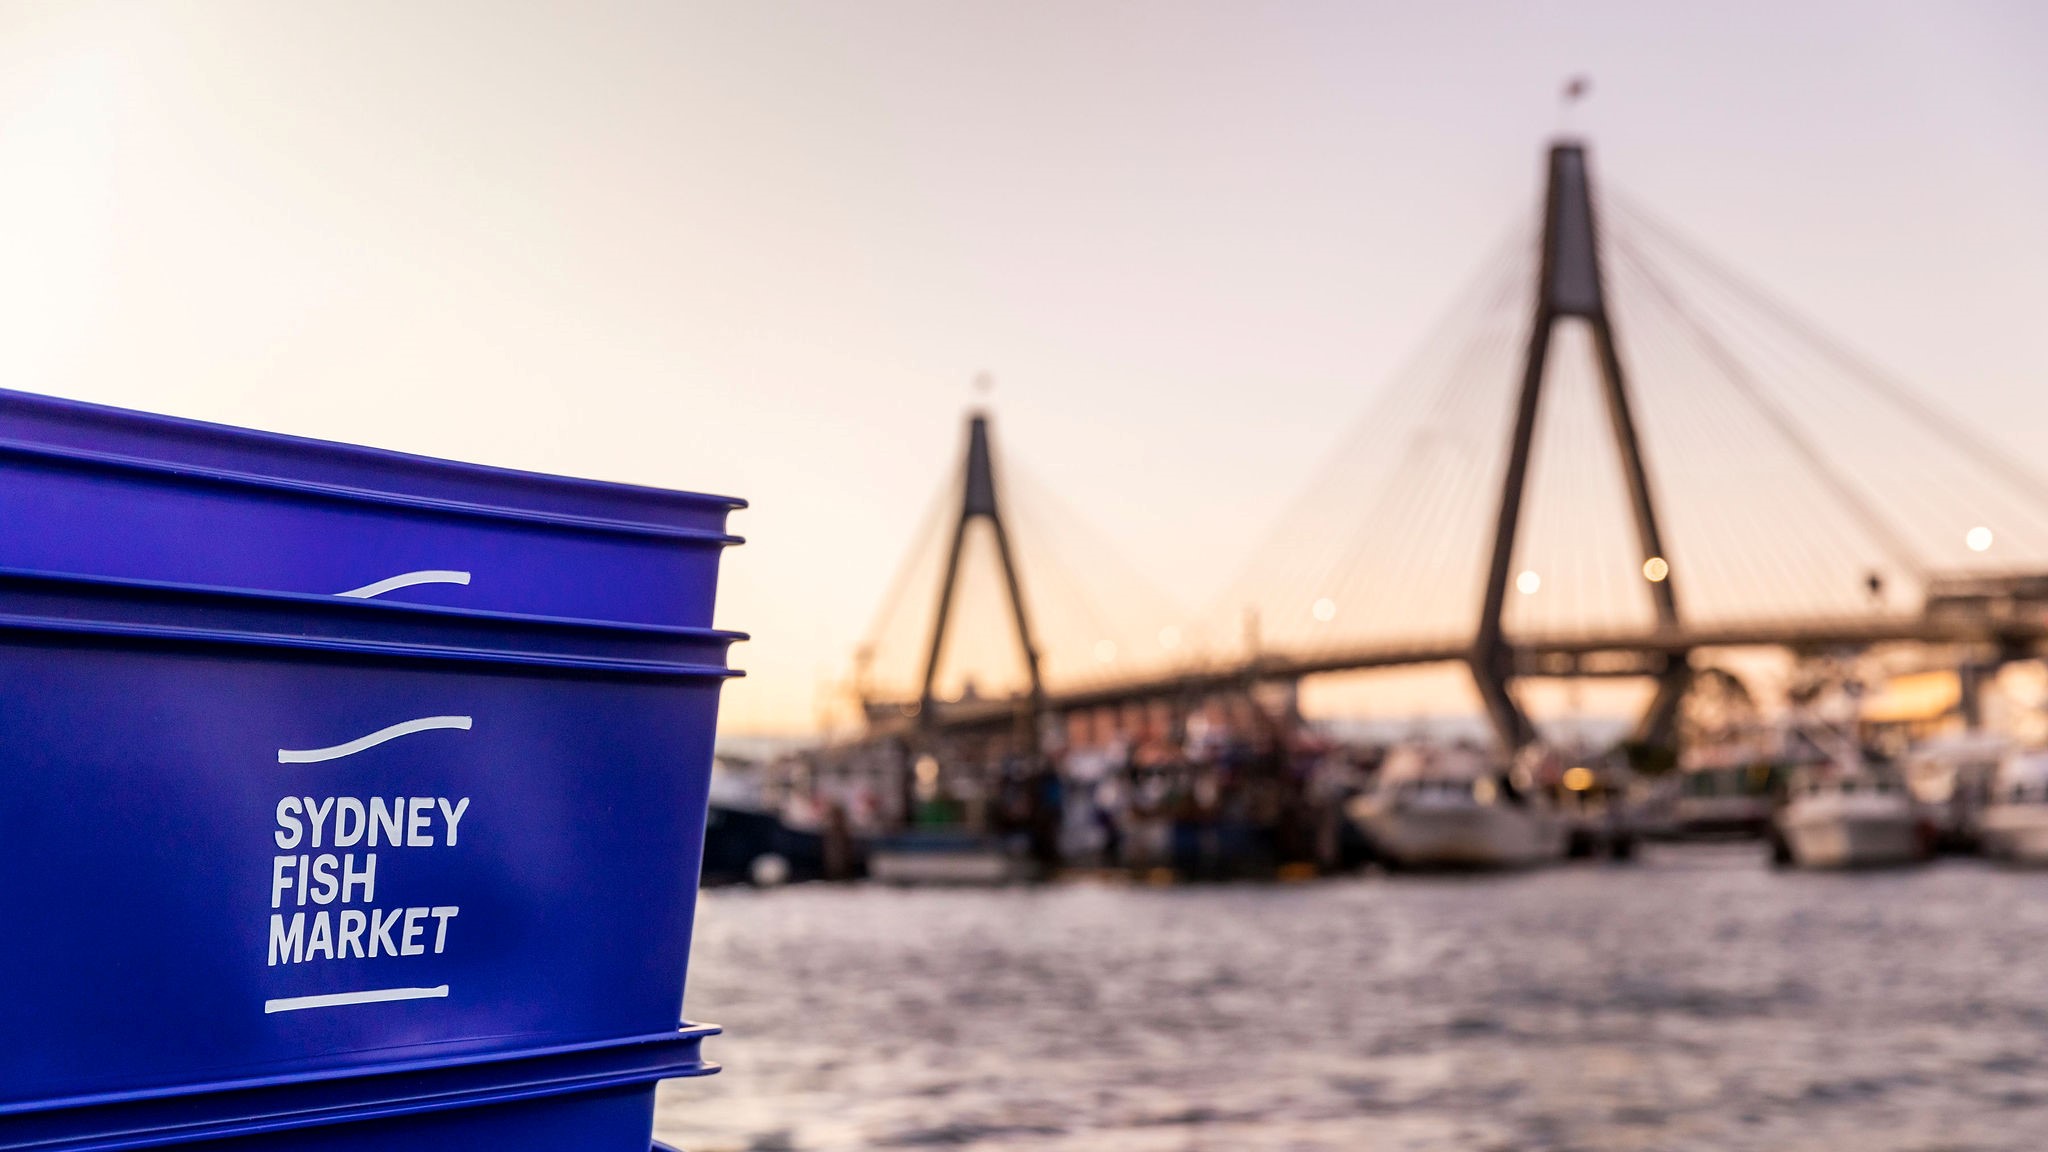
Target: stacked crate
x=350 y=799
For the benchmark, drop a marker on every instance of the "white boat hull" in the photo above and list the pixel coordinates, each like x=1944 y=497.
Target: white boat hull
x=1851 y=836
x=2016 y=833
x=1472 y=836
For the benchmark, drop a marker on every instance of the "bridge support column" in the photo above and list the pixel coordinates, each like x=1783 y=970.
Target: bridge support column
x=1568 y=287
x=1491 y=670
x=1658 y=727
x=978 y=501
x=1970 y=694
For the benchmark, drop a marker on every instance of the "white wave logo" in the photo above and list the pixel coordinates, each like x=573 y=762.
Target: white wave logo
x=363 y=743
x=343 y=999
x=406 y=580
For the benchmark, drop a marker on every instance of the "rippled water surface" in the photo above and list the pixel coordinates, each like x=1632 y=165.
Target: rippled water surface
x=1696 y=1000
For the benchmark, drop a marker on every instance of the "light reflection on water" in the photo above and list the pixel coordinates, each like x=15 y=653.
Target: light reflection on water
x=1694 y=1000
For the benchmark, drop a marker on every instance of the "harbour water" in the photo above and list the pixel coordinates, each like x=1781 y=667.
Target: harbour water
x=1694 y=999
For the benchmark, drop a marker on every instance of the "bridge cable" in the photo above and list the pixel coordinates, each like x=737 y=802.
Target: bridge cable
x=1738 y=374
x=1712 y=423
x=1743 y=383
x=1333 y=565
x=1956 y=478
x=1870 y=375
x=1401 y=497
x=932 y=524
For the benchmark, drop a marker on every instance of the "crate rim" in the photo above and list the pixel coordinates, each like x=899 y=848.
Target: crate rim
x=341 y=605
x=687 y=1031
x=367 y=452
x=117 y=630
x=189 y=474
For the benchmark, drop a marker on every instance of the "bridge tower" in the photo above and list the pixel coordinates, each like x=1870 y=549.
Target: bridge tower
x=1569 y=288
x=978 y=501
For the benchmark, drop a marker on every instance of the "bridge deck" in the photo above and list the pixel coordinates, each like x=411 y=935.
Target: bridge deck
x=1635 y=653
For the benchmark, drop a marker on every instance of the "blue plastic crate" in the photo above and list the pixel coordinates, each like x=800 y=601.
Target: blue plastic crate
x=106 y=492
x=591 y=1098
x=289 y=838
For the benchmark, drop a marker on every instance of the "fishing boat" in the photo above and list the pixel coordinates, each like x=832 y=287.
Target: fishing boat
x=1951 y=776
x=1848 y=813
x=748 y=845
x=945 y=856
x=1456 y=808
x=746 y=839
x=2013 y=826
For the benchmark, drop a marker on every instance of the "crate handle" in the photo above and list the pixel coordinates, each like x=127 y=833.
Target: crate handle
x=406 y=580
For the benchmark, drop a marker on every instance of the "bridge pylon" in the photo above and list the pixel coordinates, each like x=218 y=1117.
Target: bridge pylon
x=1569 y=287
x=978 y=500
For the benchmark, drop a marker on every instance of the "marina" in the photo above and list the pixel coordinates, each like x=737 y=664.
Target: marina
x=1695 y=998
x=1860 y=728
x=1315 y=807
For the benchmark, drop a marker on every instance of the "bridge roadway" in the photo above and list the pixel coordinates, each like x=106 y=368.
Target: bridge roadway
x=1634 y=653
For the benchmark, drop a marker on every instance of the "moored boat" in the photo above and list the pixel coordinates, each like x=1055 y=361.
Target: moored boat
x=1454 y=808
x=747 y=841
x=1850 y=816
x=1951 y=776
x=2013 y=826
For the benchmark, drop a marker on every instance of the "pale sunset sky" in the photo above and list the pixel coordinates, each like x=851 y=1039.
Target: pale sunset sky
x=762 y=249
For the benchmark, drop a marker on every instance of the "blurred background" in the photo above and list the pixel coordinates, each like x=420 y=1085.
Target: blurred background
x=1213 y=468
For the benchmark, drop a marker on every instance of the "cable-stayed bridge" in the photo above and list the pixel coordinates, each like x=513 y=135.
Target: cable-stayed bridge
x=1615 y=454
